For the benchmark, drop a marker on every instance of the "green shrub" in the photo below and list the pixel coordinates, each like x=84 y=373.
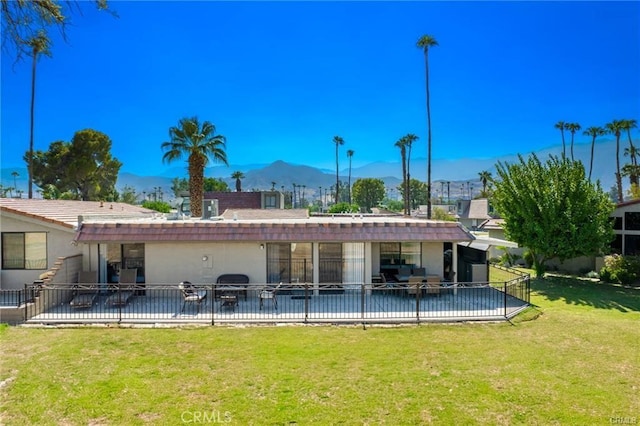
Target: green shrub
x=620 y=269
x=344 y=207
x=159 y=206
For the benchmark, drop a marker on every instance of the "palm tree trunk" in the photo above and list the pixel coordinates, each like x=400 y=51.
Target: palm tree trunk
x=349 y=180
x=337 y=178
x=196 y=183
x=426 y=60
x=405 y=199
x=564 y=150
x=593 y=144
x=572 y=134
x=618 y=175
x=33 y=100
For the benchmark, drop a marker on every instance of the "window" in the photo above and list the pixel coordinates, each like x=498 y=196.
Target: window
x=24 y=250
x=400 y=254
x=632 y=245
x=617 y=223
x=330 y=263
x=289 y=263
x=632 y=221
x=616 y=245
x=270 y=201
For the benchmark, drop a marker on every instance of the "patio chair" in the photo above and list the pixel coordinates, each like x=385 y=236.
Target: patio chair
x=433 y=285
x=191 y=294
x=123 y=292
x=270 y=293
x=414 y=286
x=86 y=292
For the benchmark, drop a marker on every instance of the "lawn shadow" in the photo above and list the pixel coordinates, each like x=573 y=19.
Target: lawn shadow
x=588 y=293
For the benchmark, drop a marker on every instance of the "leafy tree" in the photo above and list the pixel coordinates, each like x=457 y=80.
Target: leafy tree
x=425 y=43
x=441 y=214
x=394 y=205
x=418 y=193
x=614 y=128
x=179 y=186
x=238 y=176
x=594 y=132
x=23 y=20
x=215 y=185
x=368 y=192
x=344 y=207
x=338 y=141
x=83 y=167
x=159 y=206
x=128 y=195
x=552 y=209
x=634 y=191
x=198 y=142
x=561 y=125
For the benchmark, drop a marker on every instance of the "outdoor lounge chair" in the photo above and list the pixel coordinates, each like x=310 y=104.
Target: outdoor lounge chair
x=433 y=285
x=191 y=294
x=270 y=293
x=86 y=292
x=414 y=286
x=124 y=291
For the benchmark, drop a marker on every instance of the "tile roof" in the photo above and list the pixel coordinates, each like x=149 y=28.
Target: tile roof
x=66 y=212
x=332 y=229
x=247 y=214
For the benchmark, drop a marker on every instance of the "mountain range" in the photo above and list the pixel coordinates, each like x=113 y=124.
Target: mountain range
x=462 y=173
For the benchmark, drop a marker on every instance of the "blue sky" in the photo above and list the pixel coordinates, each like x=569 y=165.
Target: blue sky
x=279 y=80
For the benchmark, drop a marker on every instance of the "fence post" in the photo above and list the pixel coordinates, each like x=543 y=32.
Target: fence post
x=505 y=299
x=418 y=291
x=306 y=302
x=362 y=290
x=119 y=304
x=213 y=302
x=25 y=305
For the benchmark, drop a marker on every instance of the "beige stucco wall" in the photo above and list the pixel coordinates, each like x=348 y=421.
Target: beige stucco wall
x=433 y=258
x=170 y=263
x=59 y=244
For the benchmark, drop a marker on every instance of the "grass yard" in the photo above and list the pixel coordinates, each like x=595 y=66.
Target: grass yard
x=574 y=359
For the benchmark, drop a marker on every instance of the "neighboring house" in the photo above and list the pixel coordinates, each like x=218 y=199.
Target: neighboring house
x=35 y=233
x=473 y=213
x=626 y=226
x=247 y=200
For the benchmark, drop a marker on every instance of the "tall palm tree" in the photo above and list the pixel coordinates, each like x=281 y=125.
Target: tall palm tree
x=594 y=132
x=39 y=45
x=402 y=144
x=350 y=153
x=561 y=125
x=424 y=43
x=338 y=141
x=15 y=175
x=632 y=151
x=485 y=177
x=198 y=142
x=409 y=139
x=573 y=128
x=614 y=128
x=238 y=176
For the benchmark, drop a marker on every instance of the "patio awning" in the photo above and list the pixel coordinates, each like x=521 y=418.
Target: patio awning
x=485 y=243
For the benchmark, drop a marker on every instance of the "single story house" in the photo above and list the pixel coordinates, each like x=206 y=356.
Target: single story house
x=268 y=246
x=36 y=232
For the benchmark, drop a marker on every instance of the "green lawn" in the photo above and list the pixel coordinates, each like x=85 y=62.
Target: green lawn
x=572 y=360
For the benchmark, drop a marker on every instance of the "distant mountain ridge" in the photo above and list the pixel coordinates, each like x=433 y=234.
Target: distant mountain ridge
x=282 y=174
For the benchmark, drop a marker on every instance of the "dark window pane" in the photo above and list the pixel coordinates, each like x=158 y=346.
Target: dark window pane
x=617 y=223
x=632 y=221
x=632 y=245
